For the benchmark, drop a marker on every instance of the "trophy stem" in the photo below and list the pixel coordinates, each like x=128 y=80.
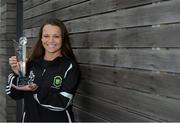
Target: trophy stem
x=22 y=65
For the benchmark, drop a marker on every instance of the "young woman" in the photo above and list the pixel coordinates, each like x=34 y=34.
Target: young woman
x=53 y=69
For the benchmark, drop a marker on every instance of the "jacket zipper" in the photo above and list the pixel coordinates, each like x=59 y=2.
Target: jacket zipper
x=43 y=72
x=24 y=115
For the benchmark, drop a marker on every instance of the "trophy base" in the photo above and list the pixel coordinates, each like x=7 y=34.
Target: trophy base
x=23 y=81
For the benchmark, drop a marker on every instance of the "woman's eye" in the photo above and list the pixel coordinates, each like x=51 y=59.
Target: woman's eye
x=45 y=36
x=57 y=36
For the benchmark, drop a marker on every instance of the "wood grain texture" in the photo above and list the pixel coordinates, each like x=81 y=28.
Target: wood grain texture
x=133 y=3
x=163 y=36
x=146 y=59
x=67 y=11
x=163 y=84
x=161 y=13
x=49 y=6
x=7 y=33
x=140 y=16
x=28 y=4
x=83 y=116
x=108 y=111
x=144 y=104
x=150 y=59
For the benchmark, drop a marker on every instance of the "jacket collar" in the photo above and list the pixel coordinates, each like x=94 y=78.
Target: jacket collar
x=44 y=63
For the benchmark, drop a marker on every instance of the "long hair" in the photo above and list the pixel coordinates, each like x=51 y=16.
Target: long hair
x=38 y=50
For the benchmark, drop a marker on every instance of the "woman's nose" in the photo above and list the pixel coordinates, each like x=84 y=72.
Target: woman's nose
x=51 y=39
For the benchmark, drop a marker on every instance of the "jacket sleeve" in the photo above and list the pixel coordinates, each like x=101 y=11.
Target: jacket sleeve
x=60 y=99
x=13 y=93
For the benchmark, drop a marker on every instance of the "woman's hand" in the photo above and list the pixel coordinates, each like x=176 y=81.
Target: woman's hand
x=31 y=87
x=14 y=64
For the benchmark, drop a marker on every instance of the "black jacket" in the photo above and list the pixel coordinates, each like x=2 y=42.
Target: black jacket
x=57 y=82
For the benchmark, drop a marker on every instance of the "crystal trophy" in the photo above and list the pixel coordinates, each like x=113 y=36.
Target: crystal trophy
x=20 y=51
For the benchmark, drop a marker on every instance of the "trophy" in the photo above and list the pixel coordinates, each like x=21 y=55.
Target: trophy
x=20 y=51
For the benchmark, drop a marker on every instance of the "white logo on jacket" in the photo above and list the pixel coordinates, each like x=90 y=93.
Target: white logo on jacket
x=31 y=76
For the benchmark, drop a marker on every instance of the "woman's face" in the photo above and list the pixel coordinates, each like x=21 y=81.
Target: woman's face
x=51 y=39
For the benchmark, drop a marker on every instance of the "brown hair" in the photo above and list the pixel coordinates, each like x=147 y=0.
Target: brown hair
x=66 y=50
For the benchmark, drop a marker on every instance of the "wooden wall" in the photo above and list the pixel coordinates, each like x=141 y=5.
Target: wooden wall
x=128 y=51
x=7 y=33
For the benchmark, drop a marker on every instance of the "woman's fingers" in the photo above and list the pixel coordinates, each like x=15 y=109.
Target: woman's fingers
x=14 y=64
x=12 y=60
x=33 y=86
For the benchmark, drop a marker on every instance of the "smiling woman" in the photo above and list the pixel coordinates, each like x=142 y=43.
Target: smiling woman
x=53 y=36
x=52 y=41
x=56 y=76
